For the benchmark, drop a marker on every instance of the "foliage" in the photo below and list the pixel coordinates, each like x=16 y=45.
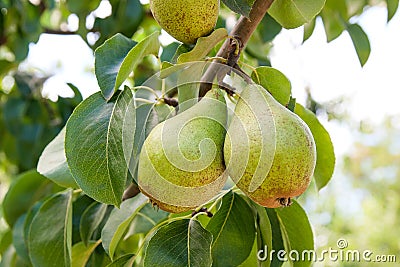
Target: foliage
x=96 y=153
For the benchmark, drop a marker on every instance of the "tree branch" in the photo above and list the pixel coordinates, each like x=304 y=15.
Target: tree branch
x=241 y=33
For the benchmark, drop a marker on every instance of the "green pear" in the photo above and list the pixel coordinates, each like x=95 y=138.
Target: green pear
x=186 y=20
x=269 y=151
x=181 y=164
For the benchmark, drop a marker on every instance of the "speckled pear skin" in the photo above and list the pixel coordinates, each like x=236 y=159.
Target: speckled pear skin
x=294 y=156
x=181 y=163
x=186 y=20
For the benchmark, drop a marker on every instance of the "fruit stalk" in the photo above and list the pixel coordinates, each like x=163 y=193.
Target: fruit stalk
x=242 y=31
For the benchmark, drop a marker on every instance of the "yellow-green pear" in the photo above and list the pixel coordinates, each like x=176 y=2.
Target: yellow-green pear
x=269 y=151
x=186 y=20
x=181 y=164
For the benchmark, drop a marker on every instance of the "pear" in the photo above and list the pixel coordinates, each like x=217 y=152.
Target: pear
x=186 y=20
x=269 y=151
x=181 y=163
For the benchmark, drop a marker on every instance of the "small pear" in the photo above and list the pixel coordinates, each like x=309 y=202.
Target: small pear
x=186 y=20
x=269 y=151
x=181 y=163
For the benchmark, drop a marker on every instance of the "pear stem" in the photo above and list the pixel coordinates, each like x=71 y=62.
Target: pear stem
x=241 y=33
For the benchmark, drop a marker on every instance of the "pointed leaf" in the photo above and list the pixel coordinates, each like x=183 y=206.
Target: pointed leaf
x=53 y=163
x=147 y=218
x=264 y=234
x=25 y=190
x=308 y=30
x=108 y=60
x=392 y=6
x=119 y=222
x=81 y=253
x=325 y=152
x=297 y=231
x=241 y=7
x=179 y=244
x=149 y=45
x=275 y=82
x=277 y=240
x=50 y=232
x=93 y=147
x=294 y=13
x=90 y=220
x=203 y=46
x=360 y=41
x=233 y=231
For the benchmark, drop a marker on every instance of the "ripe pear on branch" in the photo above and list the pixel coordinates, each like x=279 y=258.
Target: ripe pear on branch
x=269 y=151
x=181 y=163
x=186 y=20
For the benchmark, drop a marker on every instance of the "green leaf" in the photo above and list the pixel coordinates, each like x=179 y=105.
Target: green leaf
x=119 y=222
x=108 y=60
x=82 y=7
x=94 y=147
x=25 y=190
x=268 y=28
x=294 y=13
x=149 y=45
x=264 y=233
x=297 y=231
x=147 y=218
x=182 y=243
x=242 y=7
x=53 y=163
x=308 y=30
x=275 y=82
x=360 y=41
x=90 y=220
x=233 y=230
x=334 y=16
x=392 y=6
x=50 y=232
x=325 y=152
x=203 y=46
x=18 y=238
x=81 y=253
x=189 y=85
x=123 y=261
x=277 y=241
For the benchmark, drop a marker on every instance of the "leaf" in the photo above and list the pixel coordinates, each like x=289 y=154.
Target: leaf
x=360 y=41
x=297 y=231
x=94 y=147
x=180 y=243
x=147 y=218
x=149 y=45
x=392 y=6
x=294 y=13
x=275 y=82
x=233 y=230
x=25 y=190
x=325 y=152
x=277 y=241
x=18 y=238
x=81 y=253
x=241 y=7
x=203 y=46
x=308 y=30
x=119 y=221
x=108 y=60
x=53 y=163
x=189 y=85
x=264 y=234
x=122 y=261
x=90 y=220
x=268 y=28
x=333 y=15
x=50 y=232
